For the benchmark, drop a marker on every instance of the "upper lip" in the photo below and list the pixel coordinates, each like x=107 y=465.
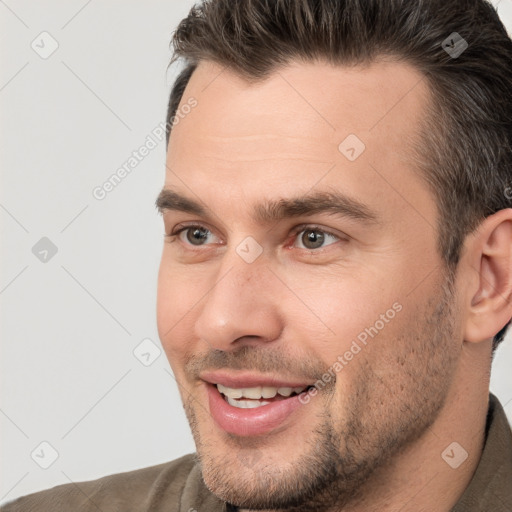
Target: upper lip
x=250 y=380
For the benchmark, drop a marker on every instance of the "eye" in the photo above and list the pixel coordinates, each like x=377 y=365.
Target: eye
x=313 y=238
x=308 y=237
x=193 y=235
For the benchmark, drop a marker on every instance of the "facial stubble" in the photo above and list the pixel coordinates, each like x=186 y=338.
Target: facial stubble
x=380 y=418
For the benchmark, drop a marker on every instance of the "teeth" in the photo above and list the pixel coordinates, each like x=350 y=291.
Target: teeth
x=257 y=392
x=268 y=392
x=252 y=392
x=285 y=391
x=229 y=392
x=246 y=404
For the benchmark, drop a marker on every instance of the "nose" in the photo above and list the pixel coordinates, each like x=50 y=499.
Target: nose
x=241 y=306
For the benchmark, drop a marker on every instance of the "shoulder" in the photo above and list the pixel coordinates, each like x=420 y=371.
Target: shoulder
x=137 y=490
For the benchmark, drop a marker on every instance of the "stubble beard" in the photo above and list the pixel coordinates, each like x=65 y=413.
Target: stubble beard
x=381 y=418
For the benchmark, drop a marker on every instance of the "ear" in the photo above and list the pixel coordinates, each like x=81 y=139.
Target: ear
x=491 y=258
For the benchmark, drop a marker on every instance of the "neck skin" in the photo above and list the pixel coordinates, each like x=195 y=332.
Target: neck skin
x=418 y=478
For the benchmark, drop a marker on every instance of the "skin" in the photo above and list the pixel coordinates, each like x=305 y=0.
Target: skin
x=372 y=439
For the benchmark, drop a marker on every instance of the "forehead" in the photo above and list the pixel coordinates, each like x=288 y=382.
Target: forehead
x=292 y=129
x=312 y=101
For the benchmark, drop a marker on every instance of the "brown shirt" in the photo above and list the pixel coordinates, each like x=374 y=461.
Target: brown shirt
x=177 y=486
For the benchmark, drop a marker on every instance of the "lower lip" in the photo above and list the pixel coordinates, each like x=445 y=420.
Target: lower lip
x=249 y=422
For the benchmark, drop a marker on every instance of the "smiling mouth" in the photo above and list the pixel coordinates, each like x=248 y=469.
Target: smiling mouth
x=251 y=398
x=253 y=409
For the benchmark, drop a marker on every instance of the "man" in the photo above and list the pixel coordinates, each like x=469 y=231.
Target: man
x=337 y=269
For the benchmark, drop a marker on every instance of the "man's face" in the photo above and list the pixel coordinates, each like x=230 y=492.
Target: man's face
x=351 y=298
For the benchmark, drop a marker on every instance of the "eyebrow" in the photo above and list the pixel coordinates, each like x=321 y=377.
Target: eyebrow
x=336 y=203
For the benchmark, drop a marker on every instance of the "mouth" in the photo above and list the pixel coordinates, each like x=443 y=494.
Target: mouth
x=244 y=409
x=254 y=397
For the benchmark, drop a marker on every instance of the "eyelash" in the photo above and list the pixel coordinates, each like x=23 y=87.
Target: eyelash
x=296 y=231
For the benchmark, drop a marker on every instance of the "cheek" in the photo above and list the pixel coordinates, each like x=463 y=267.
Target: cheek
x=342 y=306
x=175 y=305
x=359 y=321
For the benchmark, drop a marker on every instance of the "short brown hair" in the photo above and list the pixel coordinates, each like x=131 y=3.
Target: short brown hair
x=465 y=149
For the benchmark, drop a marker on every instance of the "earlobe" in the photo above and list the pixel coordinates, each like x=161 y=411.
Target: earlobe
x=490 y=307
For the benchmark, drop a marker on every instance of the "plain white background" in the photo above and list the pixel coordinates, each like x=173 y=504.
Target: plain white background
x=70 y=324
